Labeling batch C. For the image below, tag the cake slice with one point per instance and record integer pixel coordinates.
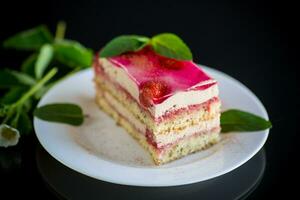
(171, 107)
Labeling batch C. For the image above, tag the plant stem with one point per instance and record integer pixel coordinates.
(28, 94)
(60, 30)
(50, 85)
(36, 87)
(8, 115)
(14, 122)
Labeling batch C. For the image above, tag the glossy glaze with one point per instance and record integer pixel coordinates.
(145, 66)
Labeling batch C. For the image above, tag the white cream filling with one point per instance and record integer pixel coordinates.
(178, 100)
(119, 75)
(184, 99)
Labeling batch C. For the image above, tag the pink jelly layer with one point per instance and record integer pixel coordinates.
(149, 135)
(145, 65)
(169, 115)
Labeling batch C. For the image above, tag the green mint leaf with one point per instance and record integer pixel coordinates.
(22, 77)
(43, 60)
(13, 95)
(123, 44)
(28, 66)
(61, 112)
(10, 78)
(171, 46)
(73, 54)
(237, 120)
(9, 136)
(24, 123)
(31, 39)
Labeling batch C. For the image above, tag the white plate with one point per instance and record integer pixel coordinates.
(102, 150)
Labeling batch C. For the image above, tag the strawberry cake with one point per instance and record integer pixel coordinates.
(171, 107)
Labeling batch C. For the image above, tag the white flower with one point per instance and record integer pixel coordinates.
(8, 136)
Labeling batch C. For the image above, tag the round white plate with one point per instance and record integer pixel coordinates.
(101, 149)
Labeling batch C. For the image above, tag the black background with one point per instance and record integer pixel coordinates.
(252, 41)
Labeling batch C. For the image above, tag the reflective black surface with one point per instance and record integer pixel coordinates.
(253, 41)
(69, 184)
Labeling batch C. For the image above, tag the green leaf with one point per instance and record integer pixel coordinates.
(123, 44)
(28, 66)
(61, 112)
(13, 95)
(22, 77)
(73, 53)
(24, 123)
(43, 60)
(31, 39)
(171, 46)
(9, 78)
(238, 120)
(9, 136)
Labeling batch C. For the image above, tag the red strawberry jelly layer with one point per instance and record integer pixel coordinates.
(146, 66)
(169, 115)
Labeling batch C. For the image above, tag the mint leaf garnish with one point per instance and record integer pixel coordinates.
(123, 44)
(165, 44)
(28, 65)
(61, 112)
(31, 39)
(23, 88)
(43, 60)
(13, 95)
(171, 46)
(238, 120)
(11, 78)
(72, 53)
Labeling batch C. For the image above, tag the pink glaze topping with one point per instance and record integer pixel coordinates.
(159, 77)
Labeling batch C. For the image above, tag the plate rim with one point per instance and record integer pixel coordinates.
(140, 183)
